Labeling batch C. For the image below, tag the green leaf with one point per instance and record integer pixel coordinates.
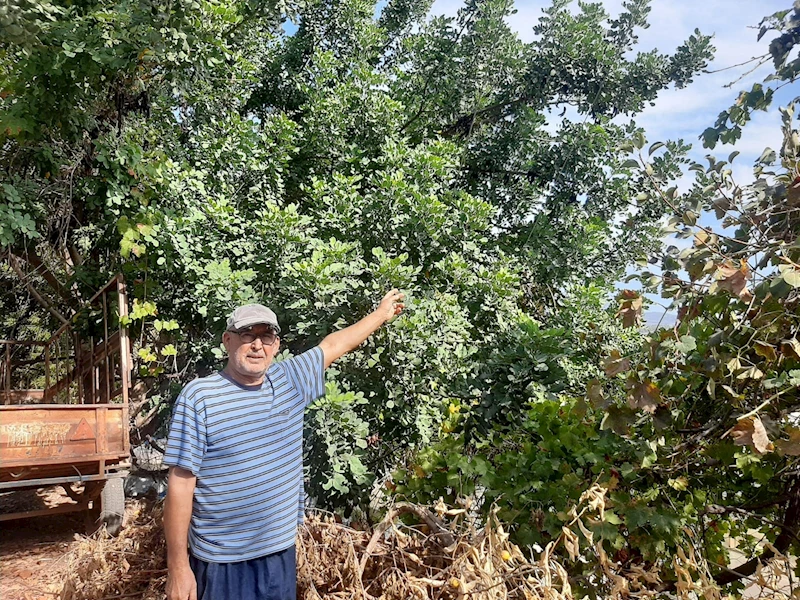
(792, 277)
(686, 345)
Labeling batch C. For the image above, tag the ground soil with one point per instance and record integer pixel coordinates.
(33, 551)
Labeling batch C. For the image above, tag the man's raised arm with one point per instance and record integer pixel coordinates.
(345, 340)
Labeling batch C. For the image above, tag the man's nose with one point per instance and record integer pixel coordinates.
(257, 343)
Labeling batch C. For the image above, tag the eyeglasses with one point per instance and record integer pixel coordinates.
(248, 337)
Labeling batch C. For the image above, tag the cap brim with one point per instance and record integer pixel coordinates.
(247, 323)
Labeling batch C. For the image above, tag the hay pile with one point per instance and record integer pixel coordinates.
(414, 553)
(132, 565)
(441, 558)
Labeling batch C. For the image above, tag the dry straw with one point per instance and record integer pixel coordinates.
(414, 553)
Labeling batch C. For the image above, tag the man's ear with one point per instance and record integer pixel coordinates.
(226, 339)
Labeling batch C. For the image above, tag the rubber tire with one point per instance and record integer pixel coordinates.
(109, 509)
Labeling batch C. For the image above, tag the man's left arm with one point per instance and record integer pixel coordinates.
(343, 341)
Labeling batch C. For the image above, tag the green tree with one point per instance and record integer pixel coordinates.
(694, 433)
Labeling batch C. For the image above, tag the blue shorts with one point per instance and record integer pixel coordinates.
(271, 577)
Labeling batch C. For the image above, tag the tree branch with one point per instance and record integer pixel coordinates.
(12, 261)
(791, 518)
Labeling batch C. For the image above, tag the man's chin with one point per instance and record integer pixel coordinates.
(255, 368)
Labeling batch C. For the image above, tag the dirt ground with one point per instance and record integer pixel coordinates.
(33, 552)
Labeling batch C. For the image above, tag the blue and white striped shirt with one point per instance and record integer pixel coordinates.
(245, 445)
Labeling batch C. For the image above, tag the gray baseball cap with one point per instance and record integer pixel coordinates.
(252, 314)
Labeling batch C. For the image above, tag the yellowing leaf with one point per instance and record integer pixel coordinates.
(790, 447)
(700, 238)
(751, 432)
(679, 483)
(766, 350)
(792, 277)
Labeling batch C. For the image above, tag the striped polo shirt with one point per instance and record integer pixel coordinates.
(245, 445)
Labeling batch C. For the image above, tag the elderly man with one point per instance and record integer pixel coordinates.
(235, 491)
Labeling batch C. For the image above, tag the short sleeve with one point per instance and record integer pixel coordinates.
(186, 442)
(307, 373)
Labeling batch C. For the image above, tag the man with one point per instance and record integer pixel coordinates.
(235, 490)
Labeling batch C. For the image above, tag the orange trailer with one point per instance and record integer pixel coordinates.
(64, 417)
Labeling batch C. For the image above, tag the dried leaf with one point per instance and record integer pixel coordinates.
(752, 373)
(615, 364)
(586, 533)
(644, 395)
(595, 395)
(733, 279)
(630, 308)
(791, 348)
(571, 543)
(751, 432)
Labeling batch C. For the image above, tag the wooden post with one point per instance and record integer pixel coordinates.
(8, 373)
(58, 358)
(78, 367)
(124, 359)
(47, 370)
(106, 357)
(93, 370)
(124, 344)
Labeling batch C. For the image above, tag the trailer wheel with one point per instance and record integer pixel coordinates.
(108, 509)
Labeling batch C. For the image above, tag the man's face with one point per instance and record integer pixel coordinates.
(249, 360)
